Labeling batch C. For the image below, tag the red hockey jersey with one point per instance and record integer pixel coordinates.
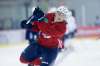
(50, 32)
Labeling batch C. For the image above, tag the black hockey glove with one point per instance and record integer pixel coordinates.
(24, 25)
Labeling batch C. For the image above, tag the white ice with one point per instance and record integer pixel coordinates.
(86, 52)
(9, 56)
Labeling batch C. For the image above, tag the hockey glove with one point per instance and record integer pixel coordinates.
(24, 25)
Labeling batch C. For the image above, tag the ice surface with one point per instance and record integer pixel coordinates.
(9, 56)
(86, 53)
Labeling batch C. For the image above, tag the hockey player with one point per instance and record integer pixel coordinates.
(71, 30)
(51, 29)
(72, 27)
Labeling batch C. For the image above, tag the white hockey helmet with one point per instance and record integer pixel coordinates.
(65, 11)
(62, 9)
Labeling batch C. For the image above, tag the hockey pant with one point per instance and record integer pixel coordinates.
(38, 55)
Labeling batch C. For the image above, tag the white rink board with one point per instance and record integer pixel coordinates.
(12, 36)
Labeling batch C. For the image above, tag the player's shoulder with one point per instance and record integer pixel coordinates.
(50, 14)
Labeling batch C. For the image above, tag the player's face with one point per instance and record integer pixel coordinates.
(59, 17)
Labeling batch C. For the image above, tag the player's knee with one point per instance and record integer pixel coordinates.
(22, 60)
(35, 62)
